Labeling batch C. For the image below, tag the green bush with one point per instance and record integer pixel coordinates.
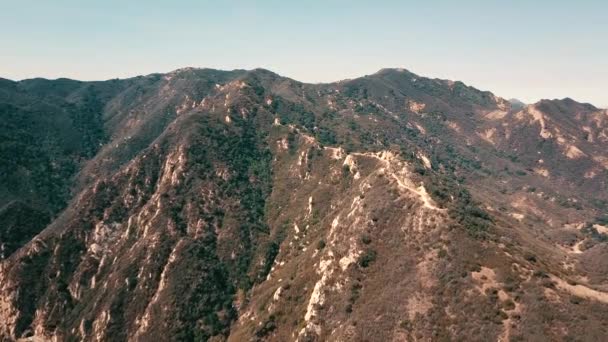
(367, 258)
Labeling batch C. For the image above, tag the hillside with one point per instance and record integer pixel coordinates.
(242, 205)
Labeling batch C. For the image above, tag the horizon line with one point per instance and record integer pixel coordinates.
(401, 69)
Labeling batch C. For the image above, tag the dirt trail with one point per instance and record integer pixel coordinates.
(399, 173)
(580, 290)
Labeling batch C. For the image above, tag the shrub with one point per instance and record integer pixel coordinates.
(345, 170)
(366, 239)
(268, 327)
(530, 257)
(321, 244)
(368, 257)
(508, 304)
(575, 300)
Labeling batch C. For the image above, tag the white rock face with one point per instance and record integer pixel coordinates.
(416, 107)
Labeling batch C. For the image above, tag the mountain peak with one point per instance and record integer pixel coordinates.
(565, 104)
(393, 70)
(516, 104)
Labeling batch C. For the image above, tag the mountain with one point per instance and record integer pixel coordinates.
(516, 104)
(242, 205)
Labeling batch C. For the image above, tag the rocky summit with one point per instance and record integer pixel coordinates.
(207, 205)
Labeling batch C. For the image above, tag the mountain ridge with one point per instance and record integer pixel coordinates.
(242, 205)
(259, 69)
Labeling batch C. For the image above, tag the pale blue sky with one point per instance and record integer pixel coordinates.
(524, 49)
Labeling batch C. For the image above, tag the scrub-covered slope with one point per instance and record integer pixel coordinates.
(242, 205)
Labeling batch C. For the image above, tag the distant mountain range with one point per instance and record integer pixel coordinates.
(245, 206)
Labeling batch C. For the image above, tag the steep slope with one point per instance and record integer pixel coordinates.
(246, 206)
(48, 129)
(147, 203)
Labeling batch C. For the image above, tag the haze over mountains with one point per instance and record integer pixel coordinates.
(241, 205)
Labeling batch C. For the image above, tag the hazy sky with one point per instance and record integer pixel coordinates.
(524, 49)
